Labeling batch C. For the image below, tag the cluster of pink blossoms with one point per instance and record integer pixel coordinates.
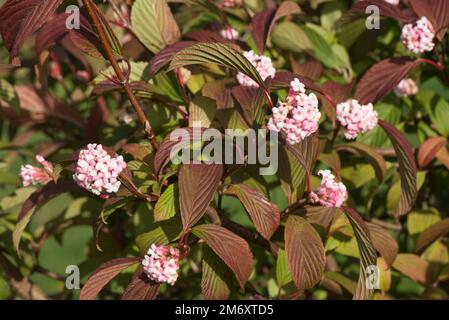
(229, 33)
(262, 64)
(298, 117)
(97, 171)
(330, 194)
(405, 88)
(231, 3)
(356, 118)
(161, 264)
(32, 175)
(418, 38)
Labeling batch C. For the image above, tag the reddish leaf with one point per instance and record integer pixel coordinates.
(437, 11)
(21, 18)
(311, 69)
(232, 249)
(55, 29)
(384, 243)
(358, 10)
(218, 91)
(260, 25)
(264, 214)
(382, 78)
(321, 217)
(197, 185)
(179, 138)
(443, 156)
(251, 100)
(305, 252)
(103, 275)
(141, 288)
(284, 78)
(431, 234)
(163, 57)
(407, 168)
(413, 267)
(368, 256)
(429, 149)
(215, 282)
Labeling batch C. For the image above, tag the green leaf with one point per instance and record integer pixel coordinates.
(161, 233)
(215, 282)
(232, 249)
(418, 221)
(288, 35)
(322, 50)
(202, 111)
(218, 53)
(8, 95)
(168, 204)
(154, 25)
(370, 154)
(305, 252)
(283, 275)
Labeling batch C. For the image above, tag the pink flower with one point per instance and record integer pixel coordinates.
(263, 65)
(356, 118)
(229, 33)
(418, 38)
(231, 3)
(161, 264)
(31, 175)
(97, 171)
(298, 117)
(330, 194)
(405, 88)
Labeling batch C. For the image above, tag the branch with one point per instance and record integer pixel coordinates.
(91, 9)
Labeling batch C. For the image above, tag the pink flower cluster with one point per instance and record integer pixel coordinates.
(97, 171)
(298, 117)
(356, 118)
(330, 194)
(229, 33)
(161, 264)
(405, 88)
(31, 175)
(262, 64)
(418, 38)
(231, 3)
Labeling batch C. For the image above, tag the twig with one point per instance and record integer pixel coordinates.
(90, 6)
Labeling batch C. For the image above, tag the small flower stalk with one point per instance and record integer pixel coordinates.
(406, 88)
(356, 118)
(262, 64)
(31, 175)
(298, 117)
(161, 264)
(331, 194)
(97, 171)
(418, 38)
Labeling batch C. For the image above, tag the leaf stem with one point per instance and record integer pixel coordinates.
(90, 6)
